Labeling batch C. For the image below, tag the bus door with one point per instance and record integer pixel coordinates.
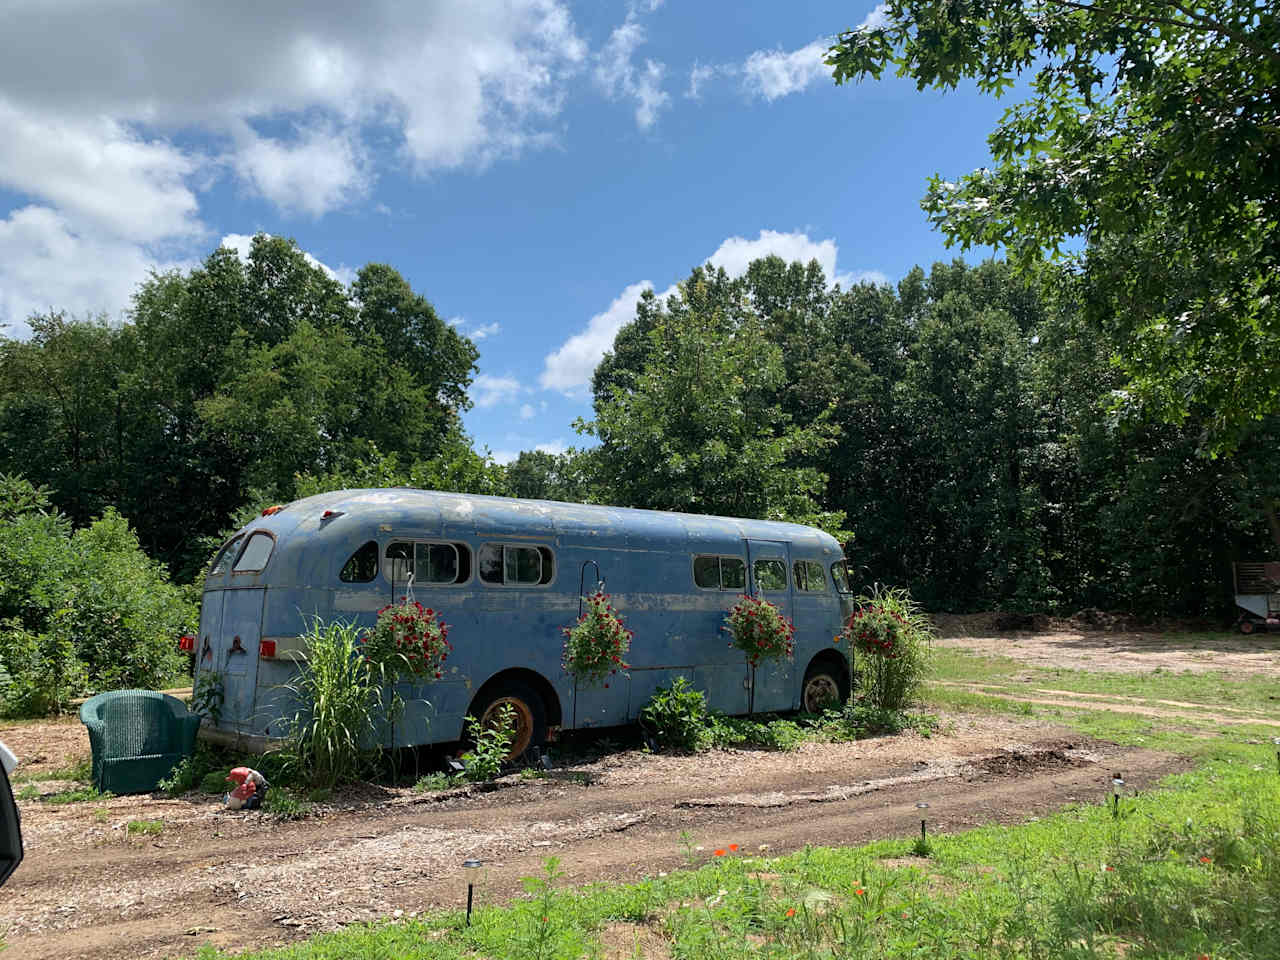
(235, 653)
(769, 569)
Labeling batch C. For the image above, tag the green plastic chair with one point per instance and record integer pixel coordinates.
(137, 737)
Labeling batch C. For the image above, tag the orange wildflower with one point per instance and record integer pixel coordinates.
(791, 912)
(719, 853)
(733, 846)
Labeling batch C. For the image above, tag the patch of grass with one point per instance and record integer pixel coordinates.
(144, 828)
(282, 804)
(1187, 870)
(29, 792)
(432, 782)
(81, 795)
(80, 769)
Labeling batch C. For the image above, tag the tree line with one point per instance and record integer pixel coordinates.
(961, 432)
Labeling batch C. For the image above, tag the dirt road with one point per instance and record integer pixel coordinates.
(89, 889)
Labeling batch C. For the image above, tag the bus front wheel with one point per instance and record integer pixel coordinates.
(529, 716)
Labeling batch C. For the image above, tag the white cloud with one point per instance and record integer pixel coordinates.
(488, 391)
(877, 19)
(47, 265)
(527, 412)
(117, 116)
(698, 76)
(504, 457)
(736, 253)
(569, 368)
(619, 77)
(242, 243)
(774, 73)
(99, 173)
(321, 170)
(778, 73)
(555, 447)
(488, 330)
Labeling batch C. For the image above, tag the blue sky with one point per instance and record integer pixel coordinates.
(528, 165)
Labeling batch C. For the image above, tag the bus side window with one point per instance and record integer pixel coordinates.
(809, 576)
(434, 563)
(361, 566)
(771, 575)
(513, 565)
(720, 573)
(733, 574)
(706, 572)
(400, 562)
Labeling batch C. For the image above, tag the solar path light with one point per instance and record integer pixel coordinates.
(470, 867)
(1117, 782)
(923, 830)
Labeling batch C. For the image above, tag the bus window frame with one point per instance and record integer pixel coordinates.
(536, 547)
(387, 560)
(248, 538)
(720, 559)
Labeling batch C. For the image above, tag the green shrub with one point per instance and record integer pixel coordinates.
(768, 733)
(491, 745)
(677, 717)
(891, 638)
(81, 611)
(332, 737)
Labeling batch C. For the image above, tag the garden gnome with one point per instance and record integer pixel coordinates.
(250, 789)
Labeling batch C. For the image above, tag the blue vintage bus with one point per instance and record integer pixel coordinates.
(507, 575)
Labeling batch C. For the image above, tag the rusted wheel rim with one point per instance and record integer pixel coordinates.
(819, 692)
(524, 723)
(1246, 626)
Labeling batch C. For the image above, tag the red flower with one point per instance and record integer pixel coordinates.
(791, 912)
(719, 853)
(733, 846)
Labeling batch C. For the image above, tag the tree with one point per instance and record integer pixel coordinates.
(700, 429)
(1147, 158)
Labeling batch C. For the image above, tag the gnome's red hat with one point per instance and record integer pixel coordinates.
(239, 774)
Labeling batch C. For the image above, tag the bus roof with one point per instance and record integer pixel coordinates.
(399, 509)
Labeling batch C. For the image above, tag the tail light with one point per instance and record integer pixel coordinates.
(187, 643)
(267, 649)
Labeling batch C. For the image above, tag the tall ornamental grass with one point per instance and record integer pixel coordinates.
(891, 641)
(333, 735)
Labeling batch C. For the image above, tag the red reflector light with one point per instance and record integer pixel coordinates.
(267, 649)
(271, 511)
(187, 644)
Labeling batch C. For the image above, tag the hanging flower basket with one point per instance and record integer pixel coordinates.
(408, 642)
(760, 630)
(595, 648)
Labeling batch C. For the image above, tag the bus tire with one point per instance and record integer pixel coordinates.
(825, 685)
(1246, 627)
(531, 715)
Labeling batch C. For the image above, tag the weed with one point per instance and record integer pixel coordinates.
(432, 782)
(144, 828)
(491, 745)
(101, 814)
(282, 804)
(676, 716)
(29, 792)
(320, 795)
(79, 795)
(529, 773)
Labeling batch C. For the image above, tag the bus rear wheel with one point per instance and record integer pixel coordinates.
(1246, 627)
(529, 715)
(822, 688)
